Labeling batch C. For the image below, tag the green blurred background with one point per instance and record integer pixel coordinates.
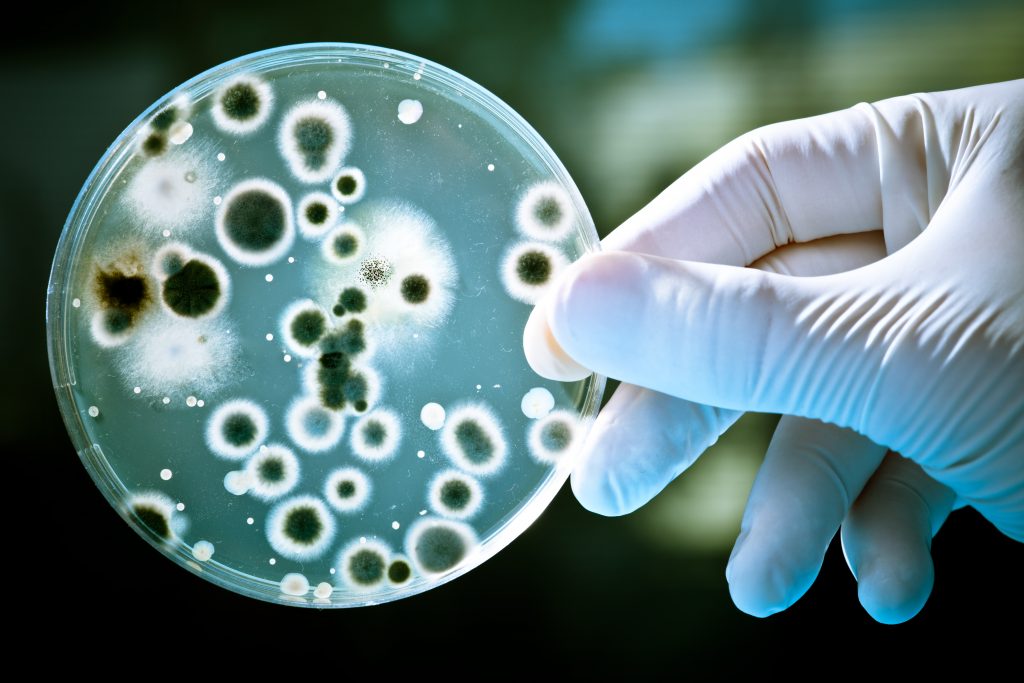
(629, 94)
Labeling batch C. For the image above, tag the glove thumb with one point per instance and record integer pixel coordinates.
(731, 337)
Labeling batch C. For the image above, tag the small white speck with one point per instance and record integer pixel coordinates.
(202, 550)
(497, 386)
(191, 401)
(190, 177)
(76, 302)
(94, 411)
(490, 167)
(221, 156)
(287, 358)
(321, 95)
(269, 277)
(415, 335)
(137, 390)
(333, 570)
(420, 454)
(263, 448)
(410, 111)
(460, 125)
(416, 77)
(179, 507)
(200, 403)
(422, 512)
(362, 539)
(291, 259)
(270, 337)
(478, 387)
(432, 415)
(166, 233)
(217, 200)
(166, 400)
(273, 561)
(250, 521)
(395, 525)
(386, 66)
(166, 474)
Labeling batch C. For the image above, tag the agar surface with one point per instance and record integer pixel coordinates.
(312, 358)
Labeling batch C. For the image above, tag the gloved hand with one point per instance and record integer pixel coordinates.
(908, 216)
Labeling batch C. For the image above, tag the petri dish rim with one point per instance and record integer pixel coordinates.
(76, 230)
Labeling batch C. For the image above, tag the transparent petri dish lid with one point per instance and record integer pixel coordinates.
(285, 320)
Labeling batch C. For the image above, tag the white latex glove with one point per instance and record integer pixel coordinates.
(911, 337)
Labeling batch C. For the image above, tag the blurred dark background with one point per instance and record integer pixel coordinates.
(629, 94)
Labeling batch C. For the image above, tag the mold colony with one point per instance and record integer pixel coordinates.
(310, 458)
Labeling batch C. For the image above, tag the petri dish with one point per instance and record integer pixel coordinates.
(285, 316)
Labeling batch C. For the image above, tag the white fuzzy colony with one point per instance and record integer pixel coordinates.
(242, 125)
(285, 543)
(175, 356)
(348, 185)
(347, 489)
(333, 121)
(523, 289)
(473, 439)
(288, 318)
(447, 490)
(236, 428)
(349, 234)
(219, 271)
(553, 437)
(359, 561)
(312, 427)
(436, 554)
(155, 502)
(232, 203)
(374, 450)
(173, 192)
(545, 212)
(307, 227)
(281, 462)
